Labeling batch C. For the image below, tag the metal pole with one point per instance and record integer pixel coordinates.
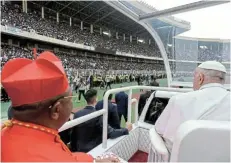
(25, 6)
(43, 12)
(105, 119)
(100, 31)
(57, 18)
(135, 101)
(157, 88)
(136, 113)
(91, 30)
(109, 33)
(81, 25)
(129, 105)
(80, 120)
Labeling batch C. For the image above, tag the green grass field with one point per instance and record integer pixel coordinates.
(82, 103)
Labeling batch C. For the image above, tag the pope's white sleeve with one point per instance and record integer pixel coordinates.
(162, 121)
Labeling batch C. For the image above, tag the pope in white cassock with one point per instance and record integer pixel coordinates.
(209, 101)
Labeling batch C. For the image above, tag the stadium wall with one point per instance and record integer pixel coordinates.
(34, 36)
(105, 51)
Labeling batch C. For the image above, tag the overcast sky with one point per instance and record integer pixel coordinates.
(211, 22)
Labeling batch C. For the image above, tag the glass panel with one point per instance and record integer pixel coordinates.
(165, 4)
(208, 39)
(133, 7)
(191, 37)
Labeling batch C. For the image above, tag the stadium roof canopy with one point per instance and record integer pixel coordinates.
(101, 14)
(207, 23)
(211, 23)
(97, 13)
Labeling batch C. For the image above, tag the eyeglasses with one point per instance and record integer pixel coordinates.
(72, 97)
(65, 97)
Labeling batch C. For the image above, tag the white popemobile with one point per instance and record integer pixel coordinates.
(195, 140)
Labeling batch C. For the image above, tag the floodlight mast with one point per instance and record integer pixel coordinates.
(182, 8)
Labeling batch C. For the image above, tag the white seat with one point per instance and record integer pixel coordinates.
(158, 151)
(195, 141)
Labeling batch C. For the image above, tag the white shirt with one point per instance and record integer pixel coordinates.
(75, 79)
(107, 79)
(82, 86)
(211, 102)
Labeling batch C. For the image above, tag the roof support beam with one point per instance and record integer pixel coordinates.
(66, 6)
(117, 18)
(111, 26)
(141, 30)
(131, 25)
(104, 16)
(120, 23)
(95, 12)
(181, 9)
(83, 8)
(53, 10)
(47, 3)
(78, 11)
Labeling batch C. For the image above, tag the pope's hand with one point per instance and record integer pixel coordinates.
(129, 126)
(109, 159)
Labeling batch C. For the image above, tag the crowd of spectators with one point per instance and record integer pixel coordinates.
(8, 53)
(206, 54)
(32, 21)
(79, 61)
(12, 15)
(200, 54)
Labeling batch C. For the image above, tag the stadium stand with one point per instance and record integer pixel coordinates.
(79, 61)
(196, 50)
(199, 55)
(12, 15)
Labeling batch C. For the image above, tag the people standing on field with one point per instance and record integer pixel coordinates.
(121, 100)
(82, 88)
(154, 82)
(108, 82)
(75, 83)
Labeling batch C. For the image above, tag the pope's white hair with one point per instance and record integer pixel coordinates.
(213, 74)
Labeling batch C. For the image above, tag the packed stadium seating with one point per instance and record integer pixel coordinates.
(79, 61)
(12, 15)
(199, 55)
